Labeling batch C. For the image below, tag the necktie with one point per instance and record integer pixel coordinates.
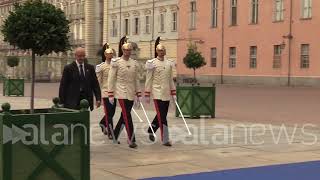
(82, 79)
(81, 72)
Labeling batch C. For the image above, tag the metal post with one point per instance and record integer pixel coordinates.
(290, 44)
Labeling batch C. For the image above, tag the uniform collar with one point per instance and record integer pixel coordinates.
(124, 59)
(108, 62)
(161, 60)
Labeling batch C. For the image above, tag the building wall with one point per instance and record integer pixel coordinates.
(130, 9)
(50, 67)
(75, 13)
(5, 7)
(264, 35)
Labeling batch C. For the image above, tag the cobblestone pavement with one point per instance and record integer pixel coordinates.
(215, 144)
(256, 104)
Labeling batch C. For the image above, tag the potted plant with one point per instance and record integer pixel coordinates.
(12, 62)
(51, 143)
(193, 59)
(195, 99)
(12, 85)
(39, 27)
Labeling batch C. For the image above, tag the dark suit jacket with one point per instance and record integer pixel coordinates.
(69, 91)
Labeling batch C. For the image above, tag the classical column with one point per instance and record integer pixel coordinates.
(80, 29)
(105, 22)
(90, 28)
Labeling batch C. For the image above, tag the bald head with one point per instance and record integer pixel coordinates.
(80, 55)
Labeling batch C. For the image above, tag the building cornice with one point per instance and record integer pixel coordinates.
(162, 9)
(148, 5)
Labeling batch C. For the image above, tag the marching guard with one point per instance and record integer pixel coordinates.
(160, 86)
(123, 84)
(102, 71)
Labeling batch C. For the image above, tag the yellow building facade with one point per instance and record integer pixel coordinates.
(142, 22)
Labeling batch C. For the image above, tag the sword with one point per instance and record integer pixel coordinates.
(113, 136)
(145, 113)
(137, 115)
(182, 116)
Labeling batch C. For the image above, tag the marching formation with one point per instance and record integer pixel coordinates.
(115, 81)
(117, 77)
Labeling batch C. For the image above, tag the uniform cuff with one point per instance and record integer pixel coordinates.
(138, 94)
(110, 94)
(173, 92)
(147, 92)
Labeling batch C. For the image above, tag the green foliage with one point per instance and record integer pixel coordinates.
(12, 61)
(193, 59)
(38, 26)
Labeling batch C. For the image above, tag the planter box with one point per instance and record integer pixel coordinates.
(51, 144)
(196, 100)
(13, 87)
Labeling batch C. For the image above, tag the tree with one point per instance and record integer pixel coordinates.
(37, 26)
(193, 59)
(12, 61)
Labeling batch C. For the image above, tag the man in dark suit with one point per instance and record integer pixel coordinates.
(79, 81)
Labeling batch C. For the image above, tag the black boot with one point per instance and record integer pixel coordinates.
(151, 137)
(133, 145)
(110, 132)
(167, 144)
(103, 128)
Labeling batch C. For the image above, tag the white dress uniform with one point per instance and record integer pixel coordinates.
(160, 86)
(102, 72)
(159, 79)
(106, 123)
(123, 84)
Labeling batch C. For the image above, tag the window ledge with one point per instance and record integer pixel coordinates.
(280, 21)
(305, 19)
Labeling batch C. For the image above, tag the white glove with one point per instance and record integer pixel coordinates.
(147, 99)
(111, 100)
(137, 102)
(174, 97)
